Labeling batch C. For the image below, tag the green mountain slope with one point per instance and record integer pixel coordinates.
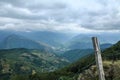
(83, 67)
(86, 68)
(24, 61)
(74, 55)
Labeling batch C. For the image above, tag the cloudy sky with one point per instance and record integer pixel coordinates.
(60, 15)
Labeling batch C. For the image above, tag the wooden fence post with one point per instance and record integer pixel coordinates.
(98, 58)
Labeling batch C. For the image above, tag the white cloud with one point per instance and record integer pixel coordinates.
(60, 15)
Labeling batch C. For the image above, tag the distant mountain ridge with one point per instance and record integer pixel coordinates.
(83, 41)
(63, 40)
(54, 39)
(17, 41)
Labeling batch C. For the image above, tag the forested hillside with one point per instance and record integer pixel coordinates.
(27, 61)
(83, 69)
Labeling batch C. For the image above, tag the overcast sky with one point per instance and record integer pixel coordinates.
(60, 15)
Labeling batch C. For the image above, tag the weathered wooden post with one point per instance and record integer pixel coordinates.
(98, 58)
